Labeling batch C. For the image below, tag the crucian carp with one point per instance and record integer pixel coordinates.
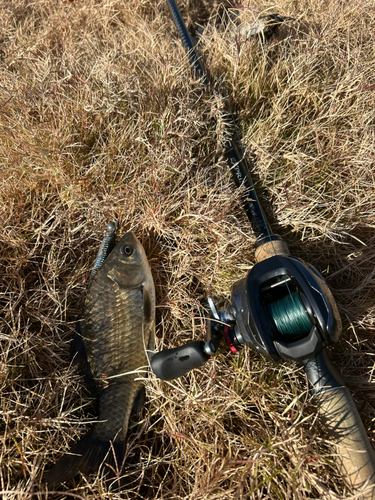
(111, 348)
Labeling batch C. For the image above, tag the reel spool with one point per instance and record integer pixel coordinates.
(289, 315)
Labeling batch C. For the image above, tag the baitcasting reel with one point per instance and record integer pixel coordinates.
(283, 309)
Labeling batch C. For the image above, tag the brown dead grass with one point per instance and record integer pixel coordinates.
(130, 134)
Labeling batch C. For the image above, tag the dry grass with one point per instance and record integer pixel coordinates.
(107, 89)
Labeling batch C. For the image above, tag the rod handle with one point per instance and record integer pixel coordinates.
(173, 363)
(355, 456)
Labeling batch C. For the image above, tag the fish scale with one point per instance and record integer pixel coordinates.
(107, 360)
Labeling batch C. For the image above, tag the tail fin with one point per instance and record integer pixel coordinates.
(87, 456)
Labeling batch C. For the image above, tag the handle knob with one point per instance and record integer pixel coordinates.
(173, 363)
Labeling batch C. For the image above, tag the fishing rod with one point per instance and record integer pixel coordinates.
(235, 156)
(284, 310)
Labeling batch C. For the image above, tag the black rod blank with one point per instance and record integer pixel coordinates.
(187, 40)
(235, 156)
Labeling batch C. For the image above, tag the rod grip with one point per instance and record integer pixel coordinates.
(355, 456)
(173, 363)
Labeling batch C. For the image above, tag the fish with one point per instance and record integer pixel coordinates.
(115, 338)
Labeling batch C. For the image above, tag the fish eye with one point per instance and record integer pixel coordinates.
(127, 250)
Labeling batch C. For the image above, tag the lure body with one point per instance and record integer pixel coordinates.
(118, 329)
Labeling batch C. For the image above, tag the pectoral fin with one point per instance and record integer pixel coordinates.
(78, 356)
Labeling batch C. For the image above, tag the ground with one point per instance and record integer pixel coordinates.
(101, 118)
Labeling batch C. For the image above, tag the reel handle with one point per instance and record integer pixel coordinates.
(355, 455)
(173, 363)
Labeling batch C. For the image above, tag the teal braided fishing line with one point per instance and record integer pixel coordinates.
(289, 315)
